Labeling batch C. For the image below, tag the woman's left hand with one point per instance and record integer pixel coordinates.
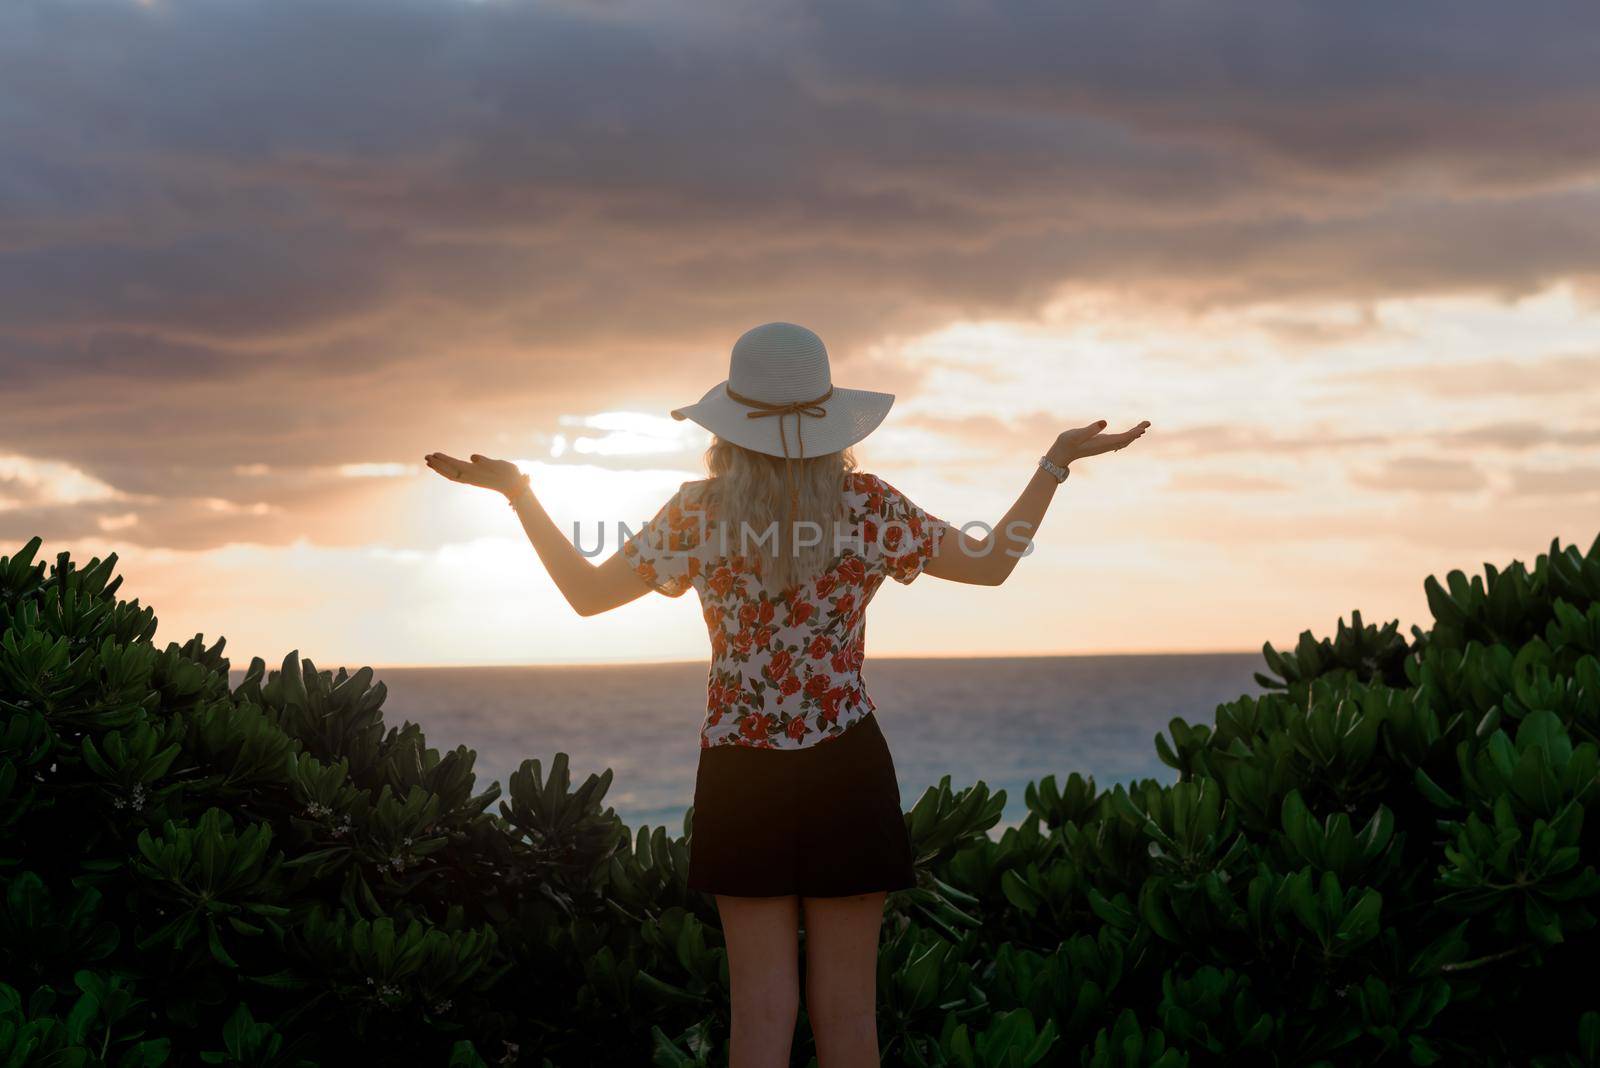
(1076, 444)
(502, 476)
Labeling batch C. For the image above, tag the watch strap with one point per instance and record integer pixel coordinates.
(1055, 470)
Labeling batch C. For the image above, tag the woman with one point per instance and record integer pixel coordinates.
(796, 804)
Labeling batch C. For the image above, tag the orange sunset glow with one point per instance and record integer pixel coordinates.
(1354, 290)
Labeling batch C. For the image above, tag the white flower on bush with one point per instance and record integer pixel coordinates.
(135, 801)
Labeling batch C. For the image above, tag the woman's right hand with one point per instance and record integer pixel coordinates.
(1091, 441)
(502, 476)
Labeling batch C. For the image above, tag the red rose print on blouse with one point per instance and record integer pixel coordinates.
(786, 668)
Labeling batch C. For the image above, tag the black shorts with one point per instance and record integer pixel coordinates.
(824, 821)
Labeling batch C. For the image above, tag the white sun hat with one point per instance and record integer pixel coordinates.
(779, 397)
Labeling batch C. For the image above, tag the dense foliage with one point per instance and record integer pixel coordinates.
(1384, 858)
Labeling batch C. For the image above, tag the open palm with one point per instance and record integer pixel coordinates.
(499, 475)
(1092, 440)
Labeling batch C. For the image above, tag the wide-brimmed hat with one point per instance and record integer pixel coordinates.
(779, 397)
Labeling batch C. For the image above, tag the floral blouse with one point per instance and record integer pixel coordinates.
(785, 668)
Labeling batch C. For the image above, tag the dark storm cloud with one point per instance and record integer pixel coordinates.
(247, 168)
(319, 232)
(1339, 89)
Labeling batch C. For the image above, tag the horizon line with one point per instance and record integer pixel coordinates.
(704, 662)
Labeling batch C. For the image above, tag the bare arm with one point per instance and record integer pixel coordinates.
(988, 561)
(588, 587)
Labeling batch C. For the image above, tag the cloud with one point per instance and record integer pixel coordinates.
(1517, 436)
(1224, 482)
(1574, 481)
(25, 481)
(1542, 376)
(347, 158)
(1423, 474)
(1227, 438)
(268, 252)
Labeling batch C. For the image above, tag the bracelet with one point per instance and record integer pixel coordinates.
(1055, 470)
(527, 488)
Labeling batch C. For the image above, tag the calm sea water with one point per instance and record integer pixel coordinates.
(1006, 721)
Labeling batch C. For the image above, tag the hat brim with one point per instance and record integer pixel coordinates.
(852, 414)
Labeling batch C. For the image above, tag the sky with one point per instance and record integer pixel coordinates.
(258, 257)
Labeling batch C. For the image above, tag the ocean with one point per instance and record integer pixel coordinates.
(1005, 721)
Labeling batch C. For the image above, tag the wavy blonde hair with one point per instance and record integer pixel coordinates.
(748, 491)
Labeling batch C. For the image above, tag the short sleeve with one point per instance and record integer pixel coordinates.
(908, 537)
(665, 552)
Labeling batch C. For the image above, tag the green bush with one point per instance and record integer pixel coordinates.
(1384, 858)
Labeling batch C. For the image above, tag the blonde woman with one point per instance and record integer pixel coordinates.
(797, 815)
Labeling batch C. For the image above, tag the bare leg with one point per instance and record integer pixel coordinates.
(841, 977)
(764, 971)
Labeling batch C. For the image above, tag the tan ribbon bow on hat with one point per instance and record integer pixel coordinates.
(799, 409)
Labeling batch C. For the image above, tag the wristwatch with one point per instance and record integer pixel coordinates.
(1056, 471)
